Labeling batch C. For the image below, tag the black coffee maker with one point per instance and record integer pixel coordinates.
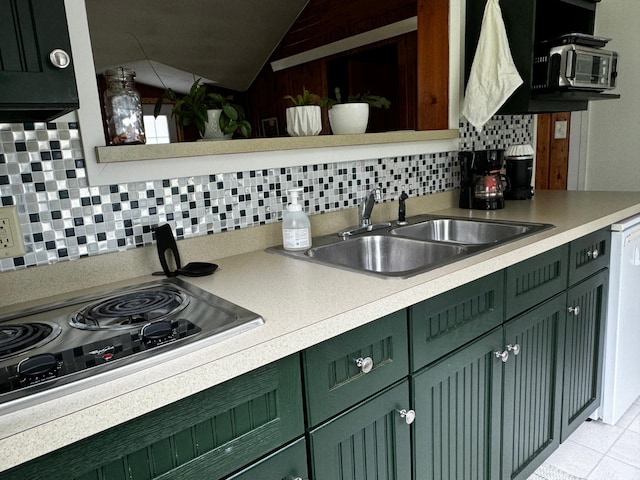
(481, 181)
(519, 169)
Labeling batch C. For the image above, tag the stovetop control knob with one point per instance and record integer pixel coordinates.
(38, 365)
(156, 330)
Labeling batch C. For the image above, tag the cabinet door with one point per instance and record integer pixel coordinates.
(367, 442)
(288, 463)
(583, 349)
(458, 405)
(33, 89)
(589, 254)
(444, 323)
(532, 388)
(347, 369)
(535, 280)
(207, 435)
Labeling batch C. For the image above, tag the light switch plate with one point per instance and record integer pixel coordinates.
(560, 130)
(10, 234)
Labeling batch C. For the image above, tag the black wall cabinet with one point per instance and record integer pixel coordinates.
(529, 22)
(32, 88)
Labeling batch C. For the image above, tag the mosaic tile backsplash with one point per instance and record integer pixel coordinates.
(63, 218)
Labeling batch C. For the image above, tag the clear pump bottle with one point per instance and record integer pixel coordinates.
(296, 228)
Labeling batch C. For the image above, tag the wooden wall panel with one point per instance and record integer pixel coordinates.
(433, 60)
(552, 154)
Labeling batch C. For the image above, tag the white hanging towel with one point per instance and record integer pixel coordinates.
(493, 76)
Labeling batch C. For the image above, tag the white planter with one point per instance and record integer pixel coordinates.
(349, 118)
(212, 127)
(304, 121)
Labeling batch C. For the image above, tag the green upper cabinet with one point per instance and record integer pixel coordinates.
(342, 371)
(458, 414)
(36, 67)
(369, 441)
(532, 388)
(441, 324)
(583, 350)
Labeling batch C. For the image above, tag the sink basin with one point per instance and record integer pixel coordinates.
(388, 255)
(469, 232)
(425, 243)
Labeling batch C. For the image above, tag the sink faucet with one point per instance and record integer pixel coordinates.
(366, 206)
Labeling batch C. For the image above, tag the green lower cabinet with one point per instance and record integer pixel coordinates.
(288, 463)
(343, 371)
(458, 411)
(206, 436)
(444, 323)
(368, 442)
(532, 388)
(583, 350)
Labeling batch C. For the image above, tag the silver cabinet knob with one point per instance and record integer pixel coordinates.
(575, 310)
(504, 356)
(59, 58)
(296, 478)
(365, 364)
(408, 415)
(593, 254)
(515, 348)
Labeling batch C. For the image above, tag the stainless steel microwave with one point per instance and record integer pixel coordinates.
(575, 67)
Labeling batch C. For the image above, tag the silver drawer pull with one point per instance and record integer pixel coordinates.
(59, 58)
(504, 356)
(365, 364)
(408, 415)
(593, 254)
(515, 348)
(575, 310)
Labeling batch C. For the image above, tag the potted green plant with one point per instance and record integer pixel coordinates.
(305, 117)
(214, 115)
(352, 117)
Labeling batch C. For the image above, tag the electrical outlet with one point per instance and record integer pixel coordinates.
(10, 234)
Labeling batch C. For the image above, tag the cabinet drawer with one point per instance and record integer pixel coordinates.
(442, 324)
(208, 435)
(534, 280)
(371, 440)
(332, 377)
(588, 255)
(289, 462)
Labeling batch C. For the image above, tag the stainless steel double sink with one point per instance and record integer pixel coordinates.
(426, 242)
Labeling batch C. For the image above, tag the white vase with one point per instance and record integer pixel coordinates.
(212, 129)
(349, 118)
(304, 121)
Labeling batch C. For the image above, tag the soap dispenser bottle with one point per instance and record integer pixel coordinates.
(296, 228)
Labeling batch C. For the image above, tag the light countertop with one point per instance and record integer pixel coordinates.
(302, 303)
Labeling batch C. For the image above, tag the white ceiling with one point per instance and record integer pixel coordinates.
(226, 42)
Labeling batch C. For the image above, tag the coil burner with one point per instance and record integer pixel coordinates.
(131, 310)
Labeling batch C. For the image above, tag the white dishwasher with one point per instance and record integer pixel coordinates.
(621, 385)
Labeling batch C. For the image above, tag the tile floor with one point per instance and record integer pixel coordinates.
(598, 451)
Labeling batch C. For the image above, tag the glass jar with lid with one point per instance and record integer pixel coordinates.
(123, 108)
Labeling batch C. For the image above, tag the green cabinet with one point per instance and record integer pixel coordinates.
(442, 324)
(532, 393)
(583, 350)
(371, 440)
(33, 88)
(208, 435)
(458, 413)
(532, 281)
(288, 463)
(340, 372)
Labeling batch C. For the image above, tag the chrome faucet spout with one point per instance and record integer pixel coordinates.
(366, 206)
